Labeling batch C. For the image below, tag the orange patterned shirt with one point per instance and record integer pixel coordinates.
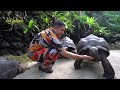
(45, 39)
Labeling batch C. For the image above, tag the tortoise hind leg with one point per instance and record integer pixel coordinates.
(108, 69)
(77, 64)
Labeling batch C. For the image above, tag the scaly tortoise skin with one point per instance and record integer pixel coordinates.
(98, 48)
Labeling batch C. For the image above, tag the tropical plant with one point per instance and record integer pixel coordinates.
(31, 26)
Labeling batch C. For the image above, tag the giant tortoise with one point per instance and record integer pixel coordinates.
(98, 48)
(9, 69)
(68, 43)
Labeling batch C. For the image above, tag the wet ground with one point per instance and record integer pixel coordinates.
(64, 69)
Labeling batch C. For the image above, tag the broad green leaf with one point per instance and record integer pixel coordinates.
(30, 25)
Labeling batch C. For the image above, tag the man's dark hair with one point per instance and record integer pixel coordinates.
(58, 23)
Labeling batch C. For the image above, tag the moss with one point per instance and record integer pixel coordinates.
(22, 59)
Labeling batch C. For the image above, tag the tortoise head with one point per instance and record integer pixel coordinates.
(93, 51)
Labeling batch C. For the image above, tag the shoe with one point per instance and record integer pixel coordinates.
(47, 70)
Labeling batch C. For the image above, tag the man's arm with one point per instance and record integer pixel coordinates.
(74, 56)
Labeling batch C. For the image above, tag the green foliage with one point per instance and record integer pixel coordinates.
(66, 17)
(25, 30)
(90, 21)
(22, 59)
(114, 24)
(84, 19)
(101, 22)
(46, 20)
(101, 31)
(109, 19)
(31, 26)
(86, 24)
(93, 25)
(13, 21)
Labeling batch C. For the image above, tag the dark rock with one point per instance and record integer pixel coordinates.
(16, 45)
(18, 34)
(24, 49)
(111, 39)
(9, 39)
(27, 40)
(4, 52)
(117, 43)
(19, 53)
(5, 26)
(1, 36)
(4, 44)
(13, 38)
(16, 39)
(16, 53)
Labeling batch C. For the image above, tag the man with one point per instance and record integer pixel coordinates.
(45, 47)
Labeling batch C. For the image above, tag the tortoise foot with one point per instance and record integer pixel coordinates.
(108, 75)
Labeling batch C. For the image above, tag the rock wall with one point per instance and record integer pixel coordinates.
(13, 40)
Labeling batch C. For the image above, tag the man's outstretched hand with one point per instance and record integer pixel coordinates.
(86, 57)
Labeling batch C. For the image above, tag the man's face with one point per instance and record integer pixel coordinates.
(59, 31)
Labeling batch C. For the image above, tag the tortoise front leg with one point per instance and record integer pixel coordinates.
(77, 64)
(109, 72)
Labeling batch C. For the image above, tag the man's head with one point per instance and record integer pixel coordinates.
(59, 27)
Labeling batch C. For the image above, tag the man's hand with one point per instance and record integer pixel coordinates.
(74, 56)
(86, 57)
